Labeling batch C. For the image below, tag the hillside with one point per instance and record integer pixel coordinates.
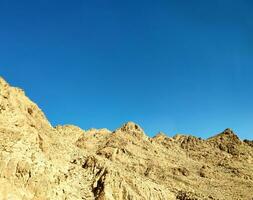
(41, 162)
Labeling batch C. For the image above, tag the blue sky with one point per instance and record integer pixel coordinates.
(175, 66)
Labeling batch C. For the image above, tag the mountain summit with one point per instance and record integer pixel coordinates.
(41, 162)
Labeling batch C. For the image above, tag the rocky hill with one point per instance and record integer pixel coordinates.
(41, 162)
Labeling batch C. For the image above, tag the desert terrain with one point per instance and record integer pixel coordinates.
(42, 162)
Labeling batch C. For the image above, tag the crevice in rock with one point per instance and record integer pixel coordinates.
(99, 185)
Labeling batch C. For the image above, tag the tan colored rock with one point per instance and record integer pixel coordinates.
(41, 162)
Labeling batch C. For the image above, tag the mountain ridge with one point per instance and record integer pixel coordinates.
(41, 162)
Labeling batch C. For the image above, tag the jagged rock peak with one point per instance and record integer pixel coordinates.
(6, 89)
(180, 137)
(132, 128)
(160, 136)
(227, 135)
(17, 110)
(228, 131)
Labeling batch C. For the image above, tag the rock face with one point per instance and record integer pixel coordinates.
(41, 162)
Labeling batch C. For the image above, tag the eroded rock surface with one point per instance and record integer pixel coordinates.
(41, 162)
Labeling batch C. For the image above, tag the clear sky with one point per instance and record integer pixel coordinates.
(175, 66)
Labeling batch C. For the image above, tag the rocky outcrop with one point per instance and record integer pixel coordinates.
(227, 141)
(41, 162)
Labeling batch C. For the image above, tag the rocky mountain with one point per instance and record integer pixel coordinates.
(41, 162)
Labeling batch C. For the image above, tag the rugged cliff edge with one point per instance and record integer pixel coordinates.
(41, 162)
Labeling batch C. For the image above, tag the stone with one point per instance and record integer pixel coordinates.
(41, 162)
